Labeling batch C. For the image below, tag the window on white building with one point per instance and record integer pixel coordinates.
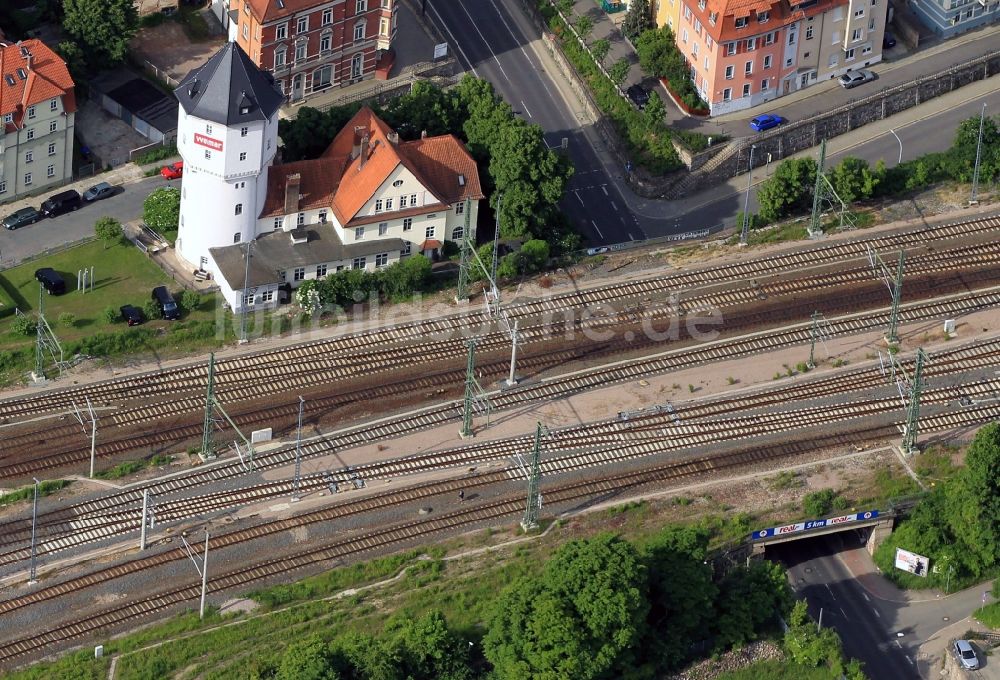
(381, 260)
(267, 296)
(383, 228)
(407, 223)
(3, 187)
(407, 248)
(53, 126)
(849, 54)
(248, 299)
(457, 233)
(809, 32)
(54, 104)
(388, 204)
(322, 216)
(236, 237)
(239, 209)
(858, 13)
(359, 263)
(378, 205)
(8, 118)
(302, 24)
(50, 171)
(359, 233)
(301, 219)
(243, 155)
(31, 133)
(867, 49)
(31, 112)
(299, 273)
(857, 34)
(29, 156)
(244, 131)
(279, 222)
(27, 178)
(320, 271)
(413, 200)
(208, 155)
(429, 231)
(871, 24)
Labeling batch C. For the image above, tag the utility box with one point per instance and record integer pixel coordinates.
(98, 651)
(949, 326)
(260, 436)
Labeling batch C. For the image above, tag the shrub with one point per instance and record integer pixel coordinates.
(818, 503)
(151, 310)
(67, 319)
(189, 301)
(23, 325)
(110, 314)
(157, 154)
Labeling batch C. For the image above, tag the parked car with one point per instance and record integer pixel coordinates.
(63, 202)
(165, 302)
(21, 218)
(638, 95)
(51, 281)
(98, 192)
(855, 78)
(966, 655)
(598, 250)
(888, 40)
(766, 121)
(172, 171)
(132, 315)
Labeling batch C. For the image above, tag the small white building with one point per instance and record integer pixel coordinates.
(368, 201)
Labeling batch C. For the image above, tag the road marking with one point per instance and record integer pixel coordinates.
(630, 237)
(832, 597)
(485, 42)
(598, 230)
(454, 42)
(844, 613)
(519, 41)
(577, 194)
(525, 107)
(604, 188)
(876, 612)
(614, 206)
(865, 595)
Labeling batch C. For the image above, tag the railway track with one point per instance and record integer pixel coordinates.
(232, 371)
(400, 534)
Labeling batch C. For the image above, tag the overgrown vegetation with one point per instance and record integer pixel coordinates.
(130, 467)
(659, 56)
(28, 492)
(956, 524)
(159, 153)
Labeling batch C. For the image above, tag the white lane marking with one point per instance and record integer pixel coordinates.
(485, 42)
(525, 107)
(865, 595)
(577, 194)
(876, 612)
(454, 42)
(604, 188)
(829, 591)
(844, 613)
(521, 42)
(630, 237)
(614, 206)
(598, 229)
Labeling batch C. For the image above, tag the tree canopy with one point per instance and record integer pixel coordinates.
(109, 230)
(101, 29)
(161, 210)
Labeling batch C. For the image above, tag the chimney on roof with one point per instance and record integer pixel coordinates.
(364, 151)
(393, 138)
(423, 134)
(28, 59)
(356, 149)
(292, 184)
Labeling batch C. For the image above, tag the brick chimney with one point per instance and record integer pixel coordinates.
(358, 134)
(423, 134)
(393, 138)
(292, 184)
(364, 151)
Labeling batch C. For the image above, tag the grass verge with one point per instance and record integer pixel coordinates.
(26, 492)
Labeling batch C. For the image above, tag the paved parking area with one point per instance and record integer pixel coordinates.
(108, 137)
(170, 52)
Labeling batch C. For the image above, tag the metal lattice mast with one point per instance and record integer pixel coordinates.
(496, 252)
(470, 389)
(207, 444)
(468, 238)
(913, 410)
(530, 520)
(815, 229)
(897, 293)
(813, 334)
(39, 343)
(46, 342)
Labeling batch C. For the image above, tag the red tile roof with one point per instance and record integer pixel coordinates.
(269, 10)
(345, 179)
(47, 77)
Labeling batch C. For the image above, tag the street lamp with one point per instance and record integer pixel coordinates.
(34, 521)
(746, 203)
(900, 146)
(243, 301)
(974, 200)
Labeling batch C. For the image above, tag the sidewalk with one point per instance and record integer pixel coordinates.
(127, 173)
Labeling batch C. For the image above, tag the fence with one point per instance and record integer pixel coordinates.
(142, 149)
(159, 73)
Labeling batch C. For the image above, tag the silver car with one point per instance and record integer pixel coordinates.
(966, 655)
(855, 78)
(98, 191)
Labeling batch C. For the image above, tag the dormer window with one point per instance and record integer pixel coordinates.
(762, 17)
(713, 17)
(741, 22)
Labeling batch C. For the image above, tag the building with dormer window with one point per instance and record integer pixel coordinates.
(37, 110)
(368, 201)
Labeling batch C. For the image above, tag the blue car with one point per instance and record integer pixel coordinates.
(765, 121)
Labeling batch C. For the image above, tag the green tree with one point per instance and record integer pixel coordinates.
(533, 256)
(429, 649)
(973, 503)
(818, 503)
(619, 71)
(150, 310)
(306, 660)
(507, 266)
(23, 325)
(371, 658)
(788, 190)
(405, 277)
(565, 6)
(311, 131)
(748, 600)
(189, 300)
(580, 619)
(853, 180)
(425, 108)
(600, 49)
(584, 26)
(808, 646)
(657, 51)
(101, 29)
(964, 150)
(161, 210)
(654, 112)
(638, 18)
(73, 56)
(109, 230)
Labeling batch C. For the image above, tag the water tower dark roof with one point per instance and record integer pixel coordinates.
(229, 89)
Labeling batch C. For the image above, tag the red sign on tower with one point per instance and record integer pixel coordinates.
(215, 144)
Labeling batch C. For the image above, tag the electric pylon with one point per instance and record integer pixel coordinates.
(465, 261)
(207, 443)
(913, 410)
(815, 229)
(813, 334)
(530, 520)
(897, 291)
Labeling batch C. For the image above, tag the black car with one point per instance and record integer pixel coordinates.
(132, 315)
(638, 95)
(888, 40)
(21, 218)
(63, 202)
(166, 303)
(51, 280)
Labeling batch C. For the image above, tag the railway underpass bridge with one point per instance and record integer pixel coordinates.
(877, 523)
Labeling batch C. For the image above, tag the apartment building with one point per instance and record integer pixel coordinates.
(312, 45)
(743, 53)
(951, 17)
(38, 108)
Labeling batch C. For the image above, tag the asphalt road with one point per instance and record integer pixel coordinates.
(490, 42)
(126, 205)
(882, 629)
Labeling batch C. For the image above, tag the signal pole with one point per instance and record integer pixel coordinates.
(298, 454)
(93, 431)
(913, 410)
(895, 287)
(202, 570)
(974, 199)
(530, 520)
(470, 387)
(34, 522)
(512, 379)
(813, 334)
(207, 444)
(746, 203)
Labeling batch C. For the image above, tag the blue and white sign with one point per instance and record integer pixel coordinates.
(812, 524)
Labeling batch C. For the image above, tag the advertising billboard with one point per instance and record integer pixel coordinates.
(912, 562)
